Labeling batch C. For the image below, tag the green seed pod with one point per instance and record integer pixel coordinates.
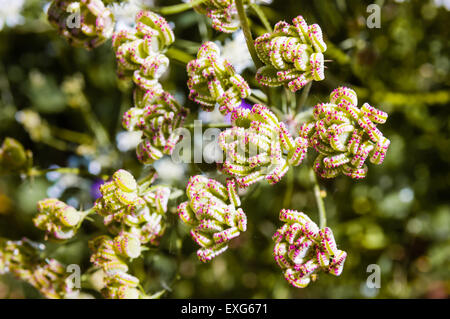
(14, 157)
(212, 214)
(302, 250)
(292, 54)
(213, 79)
(129, 208)
(59, 220)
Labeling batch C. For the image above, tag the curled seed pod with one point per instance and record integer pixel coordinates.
(133, 209)
(128, 245)
(105, 255)
(84, 23)
(59, 220)
(139, 52)
(110, 255)
(258, 147)
(22, 259)
(213, 79)
(14, 157)
(345, 135)
(212, 215)
(292, 54)
(122, 286)
(158, 117)
(302, 250)
(223, 14)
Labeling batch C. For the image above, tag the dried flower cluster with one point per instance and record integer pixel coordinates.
(258, 146)
(156, 113)
(84, 23)
(213, 79)
(131, 208)
(21, 258)
(292, 54)
(212, 212)
(345, 135)
(302, 250)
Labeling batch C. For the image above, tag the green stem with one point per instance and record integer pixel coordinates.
(94, 124)
(260, 13)
(304, 96)
(71, 136)
(319, 200)
(247, 33)
(289, 188)
(179, 55)
(178, 8)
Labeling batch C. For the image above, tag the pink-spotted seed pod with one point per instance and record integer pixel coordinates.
(302, 250)
(111, 255)
(84, 23)
(345, 135)
(158, 117)
(213, 214)
(292, 54)
(223, 14)
(213, 79)
(59, 220)
(258, 146)
(135, 209)
(139, 53)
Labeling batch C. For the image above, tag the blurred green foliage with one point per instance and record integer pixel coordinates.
(397, 217)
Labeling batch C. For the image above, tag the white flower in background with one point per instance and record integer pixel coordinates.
(10, 13)
(127, 141)
(125, 13)
(168, 170)
(443, 3)
(236, 52)
(211, 117)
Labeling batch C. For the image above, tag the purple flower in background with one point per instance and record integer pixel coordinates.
(244, 105)
(95, 188)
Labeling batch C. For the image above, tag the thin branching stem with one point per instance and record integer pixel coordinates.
(178, 8)
(304, 96)
(247, 33)
(319, 200)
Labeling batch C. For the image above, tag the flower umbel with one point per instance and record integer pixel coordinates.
(345, 135)
(213, 79)
(92, 25)
(302, 249)
(258, 146)
(292, 54)
(212, 213)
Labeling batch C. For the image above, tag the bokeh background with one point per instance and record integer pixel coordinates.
(65, 105)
